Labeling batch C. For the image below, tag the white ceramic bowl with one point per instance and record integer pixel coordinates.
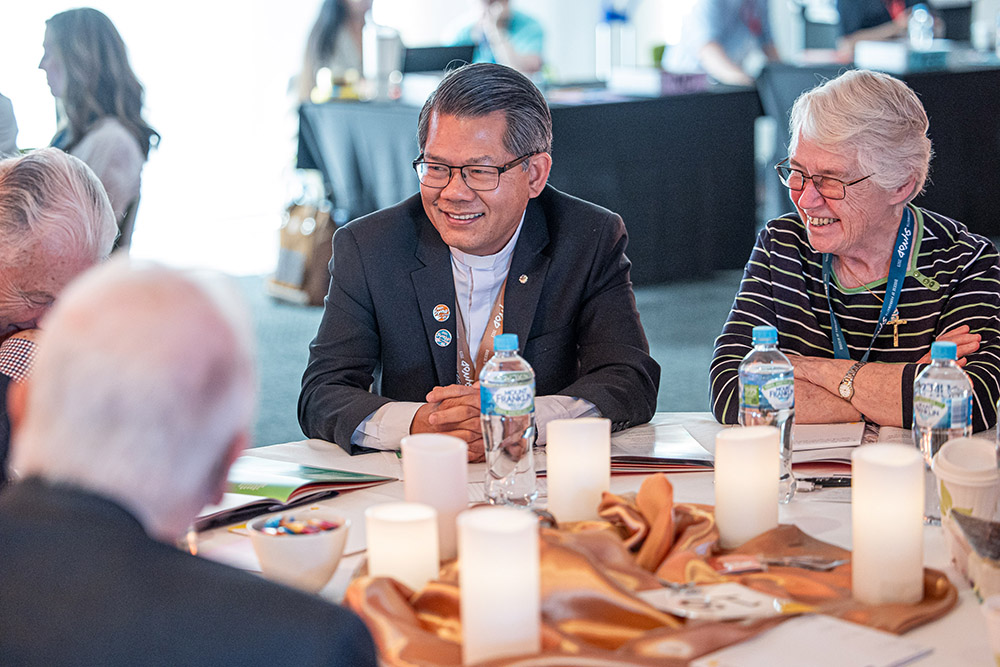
(305, 562)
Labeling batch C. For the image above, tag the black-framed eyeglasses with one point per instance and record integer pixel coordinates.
(830, 188)
(480, 177)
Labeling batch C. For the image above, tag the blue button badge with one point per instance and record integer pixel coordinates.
(442, 337)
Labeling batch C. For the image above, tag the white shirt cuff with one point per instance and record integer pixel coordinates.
(384, 428)
(548, 408)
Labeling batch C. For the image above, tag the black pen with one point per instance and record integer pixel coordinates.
(825, 482)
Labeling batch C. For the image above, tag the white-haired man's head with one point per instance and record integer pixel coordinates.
(55, 222)
(143, 391)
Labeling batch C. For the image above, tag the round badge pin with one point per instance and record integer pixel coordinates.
(442, 337)
(441, 312)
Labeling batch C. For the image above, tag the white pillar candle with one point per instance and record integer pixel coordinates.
(499, 581)
(578, 466)
(746, 483)
(435, 472)
(402, 542)
(887, 505)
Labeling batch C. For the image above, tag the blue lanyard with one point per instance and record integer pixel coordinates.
(893, 288)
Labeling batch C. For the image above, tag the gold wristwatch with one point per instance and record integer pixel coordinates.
(847, 384)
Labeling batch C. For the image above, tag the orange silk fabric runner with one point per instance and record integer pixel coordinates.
(590, 571)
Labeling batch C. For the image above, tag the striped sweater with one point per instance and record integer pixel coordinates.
(953, 279)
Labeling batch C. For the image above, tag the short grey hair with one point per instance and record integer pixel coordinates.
(143, 379)
(480, 89)
(52, 205)
(875, 118)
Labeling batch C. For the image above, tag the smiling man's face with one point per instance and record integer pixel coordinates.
(476, 222)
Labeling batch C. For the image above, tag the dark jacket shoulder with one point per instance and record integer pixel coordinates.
(85, 584)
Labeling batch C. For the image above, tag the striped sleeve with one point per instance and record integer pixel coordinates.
(971, 269)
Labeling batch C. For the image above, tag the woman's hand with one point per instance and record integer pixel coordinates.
(967, 343)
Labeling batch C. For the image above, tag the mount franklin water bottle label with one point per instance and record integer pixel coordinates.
(768, 392)
(938, 411)
(508, 400)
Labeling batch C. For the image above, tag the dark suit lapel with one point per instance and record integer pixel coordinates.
(526, 277)
(435, 286)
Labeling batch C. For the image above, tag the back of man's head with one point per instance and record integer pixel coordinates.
(143, 391)
(480, 89)
(55, 221)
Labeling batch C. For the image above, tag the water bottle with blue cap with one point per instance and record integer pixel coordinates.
(507, 415)
(942, 410)
(767, 397)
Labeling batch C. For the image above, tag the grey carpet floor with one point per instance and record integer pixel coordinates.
(681, 322)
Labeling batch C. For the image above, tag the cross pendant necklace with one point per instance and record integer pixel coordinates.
(895, 321)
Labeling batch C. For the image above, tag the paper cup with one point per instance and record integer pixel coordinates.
(968, 482)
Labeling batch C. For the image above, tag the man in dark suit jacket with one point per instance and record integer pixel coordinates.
(486, 246)
(125, 429)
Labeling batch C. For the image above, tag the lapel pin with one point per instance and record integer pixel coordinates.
(441, 312)
(523, 279)
(442, 337)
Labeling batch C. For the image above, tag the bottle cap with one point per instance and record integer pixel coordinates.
(765, 335)
(505, 342)
(944, 349)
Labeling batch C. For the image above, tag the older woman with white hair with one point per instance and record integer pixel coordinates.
(858, 281)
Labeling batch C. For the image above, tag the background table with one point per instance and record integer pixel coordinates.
(959, 638)
(678, 169)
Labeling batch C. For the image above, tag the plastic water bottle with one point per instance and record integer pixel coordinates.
(921, 28)
(507, 405)
(767, 397)
(942, 410)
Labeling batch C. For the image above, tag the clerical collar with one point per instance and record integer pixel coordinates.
(495, 261)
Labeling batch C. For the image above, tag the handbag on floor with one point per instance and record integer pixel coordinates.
(302, 275)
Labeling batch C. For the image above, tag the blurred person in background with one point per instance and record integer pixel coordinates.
(505, 36)
(334, 43)
(55, 222)
(720, 38)
(8, 128)
(874, 20)
(100, 100)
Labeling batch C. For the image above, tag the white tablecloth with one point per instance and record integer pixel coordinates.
(958, 639)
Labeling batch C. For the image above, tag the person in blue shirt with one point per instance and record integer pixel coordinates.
(505, 36)
(717, 36)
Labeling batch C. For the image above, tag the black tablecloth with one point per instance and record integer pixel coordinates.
(679, 170)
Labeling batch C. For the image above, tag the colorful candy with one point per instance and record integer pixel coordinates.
(288, 525)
